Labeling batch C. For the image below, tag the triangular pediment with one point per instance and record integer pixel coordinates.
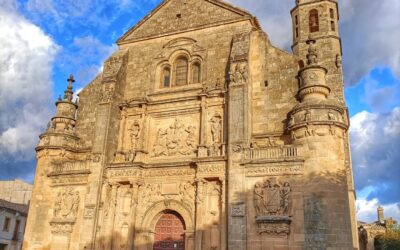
(174, 16)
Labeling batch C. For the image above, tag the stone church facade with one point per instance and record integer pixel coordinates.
(200, 134)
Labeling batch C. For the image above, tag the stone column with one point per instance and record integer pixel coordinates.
(134, 203)
(121, 131)
(201, 185)
(202, 149)
(238, 122)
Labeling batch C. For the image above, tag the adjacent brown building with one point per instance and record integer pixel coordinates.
(200, 134)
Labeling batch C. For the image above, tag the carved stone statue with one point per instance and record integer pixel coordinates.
(216, 128)
(135, 134)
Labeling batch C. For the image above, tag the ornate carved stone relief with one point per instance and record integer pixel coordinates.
(69, 167)
(66, 205)
(108, 92)
(271, 204)
(238, 73)
(61, 228)
(238, 210)
(177, 139)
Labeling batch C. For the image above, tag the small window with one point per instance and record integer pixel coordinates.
(181, 71)
(313, 21)
(16, 230)
(6, 225)
(297, 32)
(196, 73)
(166, 77)
(331, 13)
(333, 26)
(296, 19)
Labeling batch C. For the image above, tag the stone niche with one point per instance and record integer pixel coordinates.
(272, 204)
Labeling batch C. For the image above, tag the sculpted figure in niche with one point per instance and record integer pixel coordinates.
(135, 134)
(216, 129)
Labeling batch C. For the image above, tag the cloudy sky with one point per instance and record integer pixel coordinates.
(43, 41)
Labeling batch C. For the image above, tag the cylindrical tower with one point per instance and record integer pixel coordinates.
(319, 124)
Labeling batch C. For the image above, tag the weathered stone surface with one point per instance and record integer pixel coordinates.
(198, 121)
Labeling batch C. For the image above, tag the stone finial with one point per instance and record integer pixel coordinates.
(312, 55)
(68, 93)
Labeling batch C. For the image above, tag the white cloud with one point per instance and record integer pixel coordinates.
(369, 31)
(370, 36)
(375, 141)
(367, 210)
(26, 56)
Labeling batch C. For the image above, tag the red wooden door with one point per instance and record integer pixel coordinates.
(170, 233)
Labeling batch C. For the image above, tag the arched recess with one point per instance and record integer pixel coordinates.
(154, 213)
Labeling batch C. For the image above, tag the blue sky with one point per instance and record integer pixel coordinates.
(43, 41)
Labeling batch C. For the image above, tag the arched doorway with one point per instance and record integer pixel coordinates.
(169, 232)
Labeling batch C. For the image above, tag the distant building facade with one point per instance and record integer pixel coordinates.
(369, 233)
(199, 134)
(16, 191)
(12, 224)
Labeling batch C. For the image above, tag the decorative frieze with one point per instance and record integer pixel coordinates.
(123, 172)
(66, 180)
(275, 169)
(213, 168)
(168, 172)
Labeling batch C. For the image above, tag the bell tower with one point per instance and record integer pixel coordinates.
(318, 20)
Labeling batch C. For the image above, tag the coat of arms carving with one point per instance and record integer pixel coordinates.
(271, 203)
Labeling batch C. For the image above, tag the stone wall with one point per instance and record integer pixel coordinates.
(15, 191)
